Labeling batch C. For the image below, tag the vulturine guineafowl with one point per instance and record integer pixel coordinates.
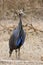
(17, 38)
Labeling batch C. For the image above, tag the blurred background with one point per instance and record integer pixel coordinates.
(31, 7)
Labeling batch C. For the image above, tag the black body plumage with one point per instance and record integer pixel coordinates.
(17, 38)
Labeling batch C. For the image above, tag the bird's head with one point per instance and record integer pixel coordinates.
(21, 13)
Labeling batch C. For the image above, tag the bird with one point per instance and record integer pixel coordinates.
(17, 38)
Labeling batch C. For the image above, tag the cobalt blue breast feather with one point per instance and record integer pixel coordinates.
(19, 41)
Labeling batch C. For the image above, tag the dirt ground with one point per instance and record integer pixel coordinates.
(32, 50)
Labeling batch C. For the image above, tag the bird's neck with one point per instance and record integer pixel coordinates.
(20, 24)
(20, 19)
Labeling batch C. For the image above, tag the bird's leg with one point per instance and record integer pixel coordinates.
(10, 52)
(16, 53)
(19, 53)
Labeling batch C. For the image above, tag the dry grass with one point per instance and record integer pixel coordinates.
(32, 50)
